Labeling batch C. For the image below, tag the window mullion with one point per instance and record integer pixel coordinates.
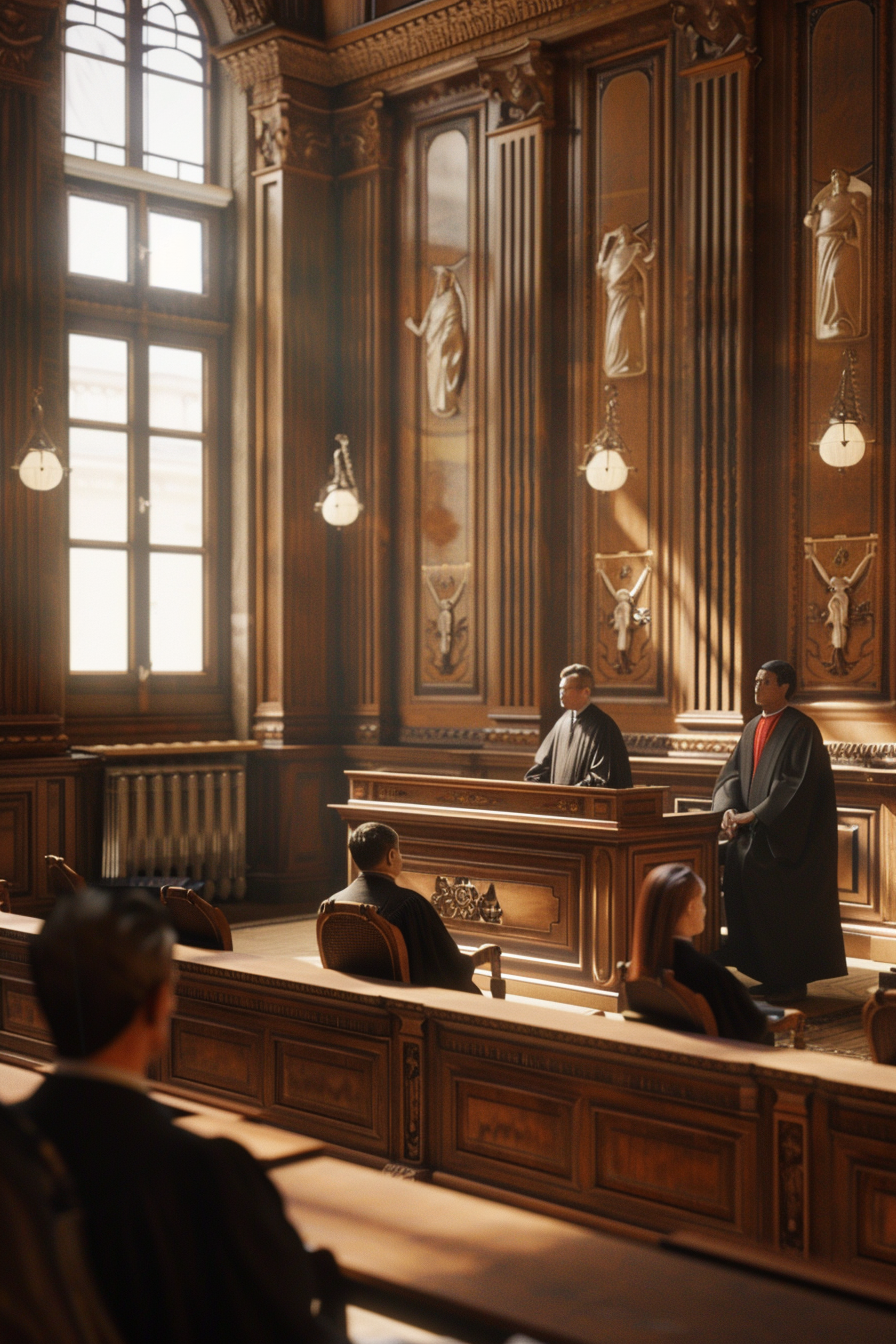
(141, 505)
(135, 83)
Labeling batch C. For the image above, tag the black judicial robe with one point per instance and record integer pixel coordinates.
(781, 871)
(593, 753)
(737, 1016)
(433, 956)
(186, 1236)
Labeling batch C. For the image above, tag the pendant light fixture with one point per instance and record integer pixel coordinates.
(842, 444)
(607, 463)
(38, 462)
(339, 503)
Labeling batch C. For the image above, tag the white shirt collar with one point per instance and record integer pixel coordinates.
(102, 1073)
(776, 713)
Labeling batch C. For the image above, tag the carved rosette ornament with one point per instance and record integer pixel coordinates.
(716, 28)
(23, 28)
(520, 82)
(362, 137)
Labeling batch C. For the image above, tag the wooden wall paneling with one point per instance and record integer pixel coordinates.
(843, 288)
(295, 848)
(441, 579)
(365, 185)
(713, 372)
(521, 87)
(31, 538)
(294, 231)
(48, 806)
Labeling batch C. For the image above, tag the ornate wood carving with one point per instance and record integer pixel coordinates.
(363, 136)
(520, 82)
(24, 26)
(716, 28)
(411, 1070)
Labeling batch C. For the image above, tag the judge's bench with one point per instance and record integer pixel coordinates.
(566, 864)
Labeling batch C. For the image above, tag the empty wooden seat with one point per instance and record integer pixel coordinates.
(60, 878)
(671, 1004)
(353, 937)
(879, 1021)
(198, 923)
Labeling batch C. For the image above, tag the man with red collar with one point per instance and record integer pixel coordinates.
(780, 818)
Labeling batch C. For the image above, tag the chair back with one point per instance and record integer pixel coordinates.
(670, 1004)
(60, 878)
(879, 1021)
(198, 923)
(5, 902)
(355, 939)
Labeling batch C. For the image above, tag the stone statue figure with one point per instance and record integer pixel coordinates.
(445, 618)
(837, 614)
(838, 218)
(622, 265)
(626, 616)
(444, 330)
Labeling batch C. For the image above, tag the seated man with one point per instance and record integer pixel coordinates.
(187, 1237)
(433, 956)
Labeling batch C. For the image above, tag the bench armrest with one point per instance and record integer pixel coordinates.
(491, 954)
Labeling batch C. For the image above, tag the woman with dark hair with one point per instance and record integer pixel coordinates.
(670, 912)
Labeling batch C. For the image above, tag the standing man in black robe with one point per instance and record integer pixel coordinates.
(433, 956)
(585, 746)
(780, 819)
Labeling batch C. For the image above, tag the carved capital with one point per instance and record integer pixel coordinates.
(363, 136)
(24, 25)
(291, 135)
(520, 82)
(244, 15)
(716, 28)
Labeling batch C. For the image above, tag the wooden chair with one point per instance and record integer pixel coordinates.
(5, 902)
(671, 1004)
(879, 1021)
(198, 923)
(60, 878)
(355, 939)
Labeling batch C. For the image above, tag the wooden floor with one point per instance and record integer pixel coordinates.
(833, 1007)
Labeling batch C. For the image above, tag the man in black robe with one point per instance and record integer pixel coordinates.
(585, 746)
(780, 819)
(433, 956)
(186, 1236)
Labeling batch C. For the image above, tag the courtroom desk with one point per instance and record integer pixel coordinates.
(567, 865)
(602, 1122)
(464, 1265)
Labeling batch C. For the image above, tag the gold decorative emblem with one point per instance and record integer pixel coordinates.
(461, 900)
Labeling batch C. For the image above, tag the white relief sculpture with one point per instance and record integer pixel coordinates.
(622, 265)
(837, 613)
(444, 331)
(626, 616)
(446, 628)
(839, 220)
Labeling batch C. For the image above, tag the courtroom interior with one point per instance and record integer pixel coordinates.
(447, 670)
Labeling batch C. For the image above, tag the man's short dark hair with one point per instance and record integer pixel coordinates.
(370, 842)
(784, 672)
(95, 962)
(580, 670)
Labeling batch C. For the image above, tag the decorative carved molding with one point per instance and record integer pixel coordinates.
(791, 1185)
(460, 899)
(716, 28)
(244, 15)
(520, 82)
(24, 25)
(288, 134)
(363, 137)
(446, 737)
(411, 1083)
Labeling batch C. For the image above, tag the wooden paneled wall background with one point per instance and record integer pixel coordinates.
(469, 230)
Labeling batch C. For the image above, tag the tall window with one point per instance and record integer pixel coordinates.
(144, 330)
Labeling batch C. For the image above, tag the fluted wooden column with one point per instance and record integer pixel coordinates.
(32, 685)
(295, 296)
(362, 136)
(521, 91)
(716, 77)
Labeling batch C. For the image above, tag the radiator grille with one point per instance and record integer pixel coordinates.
(178, 821)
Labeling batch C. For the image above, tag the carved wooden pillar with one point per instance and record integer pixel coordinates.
(31, 537)
(716, 72)
(362, 136)
(294, 297)
(520, 84)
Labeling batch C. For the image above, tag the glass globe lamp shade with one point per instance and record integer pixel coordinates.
(842, 444)
(607, 470)
(40, 469)
(340, 507)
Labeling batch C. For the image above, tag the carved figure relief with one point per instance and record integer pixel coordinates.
(716, 27)
(443, 328)
(447, 634)
(626, 617)
(791, 1185)
(840, 612)
(839, 218)
(622, 265)
(461, 900)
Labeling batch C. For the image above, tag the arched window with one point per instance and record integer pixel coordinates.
(136, 86)
(146, 329)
